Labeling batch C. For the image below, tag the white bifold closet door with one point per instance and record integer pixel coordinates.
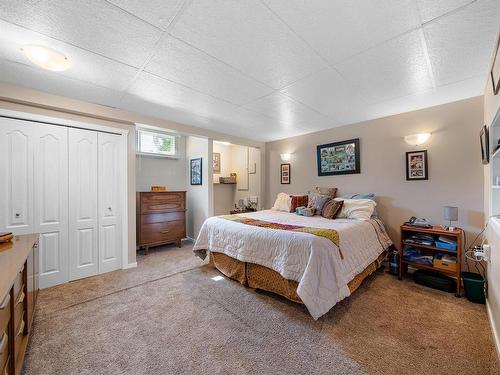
(109, 200)
(34, 190)
(83, 231)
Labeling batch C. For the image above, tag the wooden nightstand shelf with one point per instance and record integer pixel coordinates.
(407, 231)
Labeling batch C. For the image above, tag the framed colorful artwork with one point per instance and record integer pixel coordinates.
(285, 174)
(196, 171)
(416, 166)
(339, 158)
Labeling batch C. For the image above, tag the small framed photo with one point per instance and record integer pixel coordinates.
(216, 162)
(416, 166)
(196, 171)
(338, 158)
(495, 69)
(285, 174)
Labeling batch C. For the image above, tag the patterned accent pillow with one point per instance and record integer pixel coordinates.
(331, 191)
(332, 208)
(317, 201)
(298, 201)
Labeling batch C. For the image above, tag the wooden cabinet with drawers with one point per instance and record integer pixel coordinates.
(161, 218)
(18, 294)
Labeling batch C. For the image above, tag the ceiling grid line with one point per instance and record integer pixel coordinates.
(163, 35)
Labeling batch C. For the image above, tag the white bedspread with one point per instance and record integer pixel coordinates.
(313, 261)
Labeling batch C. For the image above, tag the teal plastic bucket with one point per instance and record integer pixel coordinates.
(474, 287)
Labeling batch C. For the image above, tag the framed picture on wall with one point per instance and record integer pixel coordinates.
(485, 144)
(196, 171)
(216, 162)
(416, 166)
(339, 158)
(285, 174)
(495, 69)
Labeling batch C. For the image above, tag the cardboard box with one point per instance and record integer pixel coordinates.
(444, 265)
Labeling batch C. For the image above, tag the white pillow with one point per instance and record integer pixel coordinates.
(283, 202)
(359, 209)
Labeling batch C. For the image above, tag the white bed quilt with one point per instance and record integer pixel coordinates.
(313, 261)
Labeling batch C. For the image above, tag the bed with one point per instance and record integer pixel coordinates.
(300, 265)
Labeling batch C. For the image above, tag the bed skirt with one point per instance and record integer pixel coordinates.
(259, 277)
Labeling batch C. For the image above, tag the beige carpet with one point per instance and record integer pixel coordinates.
(169, 316)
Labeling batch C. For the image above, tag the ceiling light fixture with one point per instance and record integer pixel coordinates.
(46, 58)
(417, 139)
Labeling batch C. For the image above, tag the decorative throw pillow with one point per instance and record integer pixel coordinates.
(331, 191)
(317, 201)
(298, 201)
(332, 208)
(283, 202)
(358, 196)
(359, 209)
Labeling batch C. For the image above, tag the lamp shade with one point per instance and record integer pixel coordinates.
(450, 213)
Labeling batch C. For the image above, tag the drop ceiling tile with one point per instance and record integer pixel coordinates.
(172, 95)
(246, 35)
(340, 29)
(393, 69)
(430, 9)
(181, 63)
(467, 88)
(286, 110)
(460, 45)
(86, 66)
(156, 12)
(56, 84)
(326, 92)
(95, 25)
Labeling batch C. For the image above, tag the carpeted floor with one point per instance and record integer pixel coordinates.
(169, 316)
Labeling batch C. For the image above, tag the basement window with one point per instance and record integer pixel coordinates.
(150, 142)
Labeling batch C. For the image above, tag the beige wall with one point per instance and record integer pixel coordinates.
(455, 169)
(199, 197)
(169, 172)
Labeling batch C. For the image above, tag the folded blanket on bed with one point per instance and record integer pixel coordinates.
(329, 234)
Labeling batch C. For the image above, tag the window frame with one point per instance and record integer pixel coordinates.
(153, 154)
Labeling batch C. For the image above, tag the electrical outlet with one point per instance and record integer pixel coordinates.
(486, 252)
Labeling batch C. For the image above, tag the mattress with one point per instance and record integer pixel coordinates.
(313, 262)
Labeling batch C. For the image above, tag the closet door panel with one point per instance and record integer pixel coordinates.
(110, 194)
(16, 168)
(82, 203)
(51, 202)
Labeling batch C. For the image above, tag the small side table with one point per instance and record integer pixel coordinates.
(436, 231)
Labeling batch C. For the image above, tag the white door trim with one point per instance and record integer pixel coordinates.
(123, 164)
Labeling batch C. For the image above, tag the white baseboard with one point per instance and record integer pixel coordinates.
(496, 337)
(130, 265)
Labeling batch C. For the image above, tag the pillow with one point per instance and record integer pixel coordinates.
(358, 196)
(283, 202)
(317, 201)
(332, 208)
(358, 209)
(332, 192)
(298, 201)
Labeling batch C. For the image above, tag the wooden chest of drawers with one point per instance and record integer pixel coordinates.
(18, 295)
(161, 218)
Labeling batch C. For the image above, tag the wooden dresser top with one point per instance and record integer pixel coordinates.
(12, 257)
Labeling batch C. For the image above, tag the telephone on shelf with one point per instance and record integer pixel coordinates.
(418, 222)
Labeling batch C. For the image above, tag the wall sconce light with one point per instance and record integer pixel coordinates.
(417, 139)
(286, 157)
